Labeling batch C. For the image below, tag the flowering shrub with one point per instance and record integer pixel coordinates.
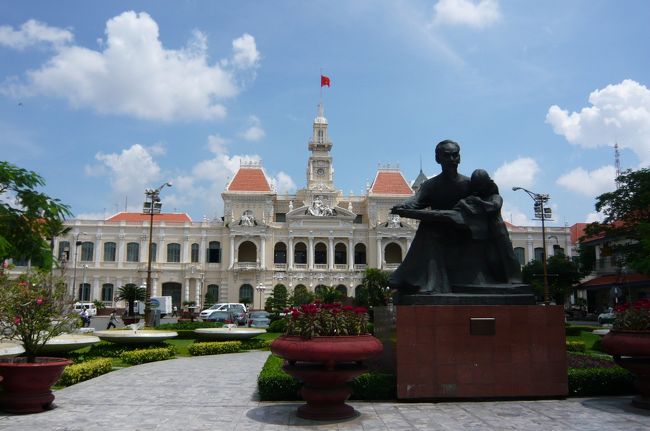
(634, 316)
(318, 319)
(33, 309)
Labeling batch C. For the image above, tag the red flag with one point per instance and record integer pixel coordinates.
(324, 80)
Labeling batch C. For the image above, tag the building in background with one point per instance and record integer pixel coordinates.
(316, 237)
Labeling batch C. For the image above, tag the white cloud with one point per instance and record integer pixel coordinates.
(594, 216)
(255, 132)
(512, 214)
(520, 173)
(592, 183)
(283, 183)
(467, 12)
(217, 144)
(618, 113)
(32, 33)
(135, 75)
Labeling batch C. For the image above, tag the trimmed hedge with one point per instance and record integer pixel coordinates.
(73, 374)
(214, 348)
(576, 346)
(575, 330)
(279, 326)
(141, 356)
(274, 384)
(600, 381)
(256, 344)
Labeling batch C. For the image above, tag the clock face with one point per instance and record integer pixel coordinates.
(320, 172)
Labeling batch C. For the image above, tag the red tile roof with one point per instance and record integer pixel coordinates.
(140, 217)
(390, 183)
(604, 280)
(577, 232)
(249, 180)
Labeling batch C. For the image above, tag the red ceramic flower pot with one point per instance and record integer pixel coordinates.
(631, 350)
(26, 386)
(325, 365)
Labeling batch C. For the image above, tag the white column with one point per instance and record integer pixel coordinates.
(379, 253)
(310, 253)
(154, 286)
(199, 289)
(187, 289)
(290, 254)
(350, 253)
(121, 255)
(330, 253)
(531, 250)
(263, 253)
(95, 292)
(232, 251)
(98, 251)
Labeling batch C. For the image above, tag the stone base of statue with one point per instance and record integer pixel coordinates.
(475, 351)
(474, 294)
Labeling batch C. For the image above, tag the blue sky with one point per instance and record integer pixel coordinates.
(105, 99)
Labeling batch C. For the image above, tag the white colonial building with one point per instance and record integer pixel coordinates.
(315, 237)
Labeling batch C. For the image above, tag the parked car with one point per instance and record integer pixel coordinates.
(259, 319)
(238, 312)
(607, 316)
(220, 316)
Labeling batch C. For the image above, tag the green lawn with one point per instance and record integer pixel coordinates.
(588, 338)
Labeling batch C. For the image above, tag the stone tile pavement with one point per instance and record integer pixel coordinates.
(219, 393)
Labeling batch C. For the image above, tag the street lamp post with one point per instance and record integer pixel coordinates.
(77, 243)
(541, 213)
(83, 291)
(261, 288)
(151, 206)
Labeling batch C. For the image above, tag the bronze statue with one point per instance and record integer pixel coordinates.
(461, 239)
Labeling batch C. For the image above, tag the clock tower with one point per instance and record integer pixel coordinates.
(320, 173)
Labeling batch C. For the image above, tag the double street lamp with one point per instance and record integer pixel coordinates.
(541, 213)
(261, 288)
(151, 206)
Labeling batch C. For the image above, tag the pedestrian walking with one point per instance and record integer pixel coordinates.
(112, 321)
(85, 317)
(174, 311)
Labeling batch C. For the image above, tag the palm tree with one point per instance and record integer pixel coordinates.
(131, 293)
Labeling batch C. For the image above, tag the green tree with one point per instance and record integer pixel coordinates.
(329, 295)
(375, 290)
(131, 293)
(627, 219)
(28, 218)
(563, 274)
(301, 296)
(278, 300)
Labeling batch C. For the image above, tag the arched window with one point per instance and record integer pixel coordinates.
(109, 252)
(133, 252)
(87, 251)
(520, 255)
(107, 292)
(84, 292)
(343, 289)
(300, 253)
(173, 252)
(64, 250)
(539, 254)
(320, 254)
(212, 294)
(247, 252)
(357, 290)
(246, 294)
(360, 254)
(280, 253)
(213, 254)
(194, 254)
(340, 254)
(393, 253)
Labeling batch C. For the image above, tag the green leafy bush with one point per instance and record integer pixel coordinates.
(215, 348)
(141, 356)
(105, 349)
(188, 326)
(256, 344)
(275, 385)
(575, 330)
(76, 373)
(277, 326)
(600, 381)
(576, 346)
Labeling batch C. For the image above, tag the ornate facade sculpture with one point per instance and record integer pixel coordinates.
(318, 208)
(247, 219)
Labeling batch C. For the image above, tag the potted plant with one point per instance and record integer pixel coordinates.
(629, 343)
(324, 346)
(33, 309)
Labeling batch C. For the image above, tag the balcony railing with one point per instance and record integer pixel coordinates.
(280, 266)
(360, 266)
(320, 266)
(340, 266)
(391, 266)
(246, 266)
(300, 266)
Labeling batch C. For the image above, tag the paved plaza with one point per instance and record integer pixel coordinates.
(219, 393)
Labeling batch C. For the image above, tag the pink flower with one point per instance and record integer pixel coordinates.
(39, 301)
(17, 320)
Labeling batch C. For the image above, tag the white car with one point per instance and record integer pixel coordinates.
(238, 311)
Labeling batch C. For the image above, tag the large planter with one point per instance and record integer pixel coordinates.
(26, 386)
(631, 350)
(325, 365)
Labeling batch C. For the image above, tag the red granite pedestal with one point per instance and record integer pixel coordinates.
(480, 351)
